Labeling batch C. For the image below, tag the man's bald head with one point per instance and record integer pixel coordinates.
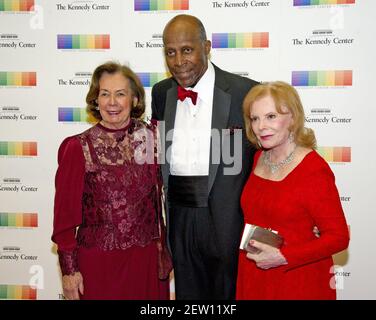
(186, 21)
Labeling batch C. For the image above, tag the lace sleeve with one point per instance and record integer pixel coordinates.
(68, 262)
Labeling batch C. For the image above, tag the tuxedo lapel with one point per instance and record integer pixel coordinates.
(169, 118)
(220, 116)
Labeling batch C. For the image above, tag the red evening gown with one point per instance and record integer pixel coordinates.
(107, 189)
(307, 197)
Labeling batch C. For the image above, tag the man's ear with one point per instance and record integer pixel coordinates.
(207, 47)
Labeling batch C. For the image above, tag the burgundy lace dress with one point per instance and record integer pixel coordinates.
(107, 222)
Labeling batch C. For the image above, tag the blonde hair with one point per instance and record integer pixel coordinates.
(137, 89)
(284, 95)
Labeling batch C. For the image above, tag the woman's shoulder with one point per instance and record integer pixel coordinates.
(151, 124)
(314, 163)
(146, 122)
(74, 142)
(69, 144)
(70, 141)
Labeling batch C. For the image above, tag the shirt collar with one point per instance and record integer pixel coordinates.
(206, 82)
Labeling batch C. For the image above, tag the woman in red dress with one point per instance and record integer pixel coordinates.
(108, 187)
(291, 190)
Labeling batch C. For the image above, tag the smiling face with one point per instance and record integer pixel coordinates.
(270, 127)
(115, 100)
(185, 51)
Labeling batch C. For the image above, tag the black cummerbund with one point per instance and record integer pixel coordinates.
(188, 191)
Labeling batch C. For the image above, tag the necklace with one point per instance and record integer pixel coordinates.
(274, 167)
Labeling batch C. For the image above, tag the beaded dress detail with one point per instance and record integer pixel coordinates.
(118, 210)
(109, 185)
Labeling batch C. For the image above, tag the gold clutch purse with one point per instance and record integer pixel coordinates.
(267, 236)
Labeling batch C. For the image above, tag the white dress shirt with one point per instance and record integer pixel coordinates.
(190, 149)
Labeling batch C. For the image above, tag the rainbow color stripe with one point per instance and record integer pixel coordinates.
(83, 41)
(322, 78)
(335, 154)
(21, 79)
(17, 5)
(18, 148)
(71, 114)
(321, 2)
(149, 79)
(241, 40)
(20, 220)
(17, 292)
(157, 5)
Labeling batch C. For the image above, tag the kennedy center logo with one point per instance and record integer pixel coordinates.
(240, 40)
(14, 41)
(325, 116)
(83, 6)
(335, 154)
(17, 292)
(83, 41)
(18, 148)
(322, 78)
(15, 185)
(149, 79)
(324, 38)
(15, 113)
(159, 5)
(75, 114)
(18, 79)
(17, 5)
(299, 3)
(18, 220)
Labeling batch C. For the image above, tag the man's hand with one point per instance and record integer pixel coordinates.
(72, 285)
(269, 257)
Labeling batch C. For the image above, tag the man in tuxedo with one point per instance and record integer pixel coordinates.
(201, 109)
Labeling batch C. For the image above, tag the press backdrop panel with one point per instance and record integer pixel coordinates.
(49, 49)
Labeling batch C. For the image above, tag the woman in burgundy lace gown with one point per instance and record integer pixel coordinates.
(108, 224)
(291, 189)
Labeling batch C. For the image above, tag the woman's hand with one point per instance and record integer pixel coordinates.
(269, 257)
(72, 285)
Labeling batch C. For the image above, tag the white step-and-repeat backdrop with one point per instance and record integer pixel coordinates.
(48, 50)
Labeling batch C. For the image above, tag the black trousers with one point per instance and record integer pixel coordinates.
(199, 271)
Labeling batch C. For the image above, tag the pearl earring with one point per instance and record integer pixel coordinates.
(291, 137)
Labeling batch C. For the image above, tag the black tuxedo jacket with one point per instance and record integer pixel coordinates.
(224, 190)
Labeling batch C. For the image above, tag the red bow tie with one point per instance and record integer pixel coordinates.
(183, 93)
